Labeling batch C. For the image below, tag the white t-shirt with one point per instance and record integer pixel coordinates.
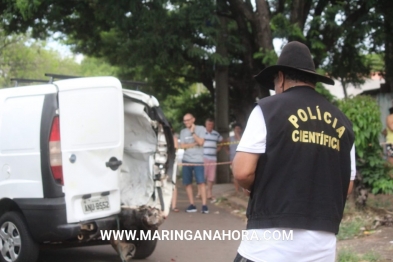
(210, 145)
(282, 245)
(307, 245)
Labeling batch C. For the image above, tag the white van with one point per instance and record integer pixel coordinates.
(72, 153)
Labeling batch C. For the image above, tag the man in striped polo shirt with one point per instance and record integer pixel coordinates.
(210, 149)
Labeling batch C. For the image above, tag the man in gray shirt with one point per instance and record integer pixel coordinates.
(191, 140)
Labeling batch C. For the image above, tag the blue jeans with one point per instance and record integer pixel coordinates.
(198, 171)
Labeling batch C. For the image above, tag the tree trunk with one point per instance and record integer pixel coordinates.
(264, 34)
(388, 27)
(344, 85)
(222, 119)
(222, 101)
(245, 89)
(297, 12)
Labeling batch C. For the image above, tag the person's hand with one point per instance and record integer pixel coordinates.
(192, 128)
(246, 192)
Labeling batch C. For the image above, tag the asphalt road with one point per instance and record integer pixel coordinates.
(169, 250)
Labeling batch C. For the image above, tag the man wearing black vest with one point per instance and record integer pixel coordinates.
(297, 159)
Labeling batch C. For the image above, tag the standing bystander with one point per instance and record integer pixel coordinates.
(210, 149)
(297, 159)
(389, 136)
(191, 140)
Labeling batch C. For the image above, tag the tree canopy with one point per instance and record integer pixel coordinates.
(24, 58)
(172, 44)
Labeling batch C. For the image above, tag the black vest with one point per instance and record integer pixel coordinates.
(302, 179)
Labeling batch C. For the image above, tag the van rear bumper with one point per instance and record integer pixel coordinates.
(47, 220)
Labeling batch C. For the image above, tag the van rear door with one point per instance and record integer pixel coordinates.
(91, 133)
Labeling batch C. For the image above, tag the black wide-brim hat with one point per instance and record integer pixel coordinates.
(294, 55)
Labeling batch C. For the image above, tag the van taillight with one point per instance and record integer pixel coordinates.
(55, 151)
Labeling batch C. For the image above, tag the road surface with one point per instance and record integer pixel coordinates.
(169, 250)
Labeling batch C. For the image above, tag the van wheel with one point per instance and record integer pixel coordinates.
(16, 243)
(144, 248)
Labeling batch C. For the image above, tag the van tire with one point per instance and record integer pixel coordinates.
(144, 248)
(28, 249)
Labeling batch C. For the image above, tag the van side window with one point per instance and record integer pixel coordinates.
(20, 127)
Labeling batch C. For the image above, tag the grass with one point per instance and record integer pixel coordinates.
(358, 223)
(371, 256)
(351, 228)
(381, 201)
(348, 255)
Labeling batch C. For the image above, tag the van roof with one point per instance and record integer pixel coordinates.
(150, 100)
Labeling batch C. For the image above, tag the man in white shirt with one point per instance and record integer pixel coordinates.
(210, 149)
(297, 159)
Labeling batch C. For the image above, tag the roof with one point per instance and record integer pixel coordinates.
(371, 85)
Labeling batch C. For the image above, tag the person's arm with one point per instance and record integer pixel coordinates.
(243, 167)
(186, 146)
(220, 140)
(198, 135)
(199, 140)
(175, 142)
(353, 169)
(350, 187)
(251, 146)
(389, 122)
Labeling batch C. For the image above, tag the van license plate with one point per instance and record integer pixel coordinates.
(91, 205)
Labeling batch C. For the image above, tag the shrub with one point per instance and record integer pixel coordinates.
(364, 113)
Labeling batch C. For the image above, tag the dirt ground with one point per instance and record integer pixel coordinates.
(371, 233)
(380, 243)
(376, 235)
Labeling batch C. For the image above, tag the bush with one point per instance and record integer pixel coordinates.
(323, 91)
(364, 113)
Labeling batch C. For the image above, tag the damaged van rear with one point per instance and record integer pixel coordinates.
(80, 156)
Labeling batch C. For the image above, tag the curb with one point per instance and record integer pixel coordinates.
(238, 202)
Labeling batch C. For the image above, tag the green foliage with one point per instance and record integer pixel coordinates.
(23, 57)
(200, 105)
(173, 44)
(326, 93)
(91, 66)
(282, 28)
(268, 57)
(376, 62)
(364, 113)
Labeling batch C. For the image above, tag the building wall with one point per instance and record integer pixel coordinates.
(385, 101)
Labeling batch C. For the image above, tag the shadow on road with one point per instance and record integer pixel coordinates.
(101, 253)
